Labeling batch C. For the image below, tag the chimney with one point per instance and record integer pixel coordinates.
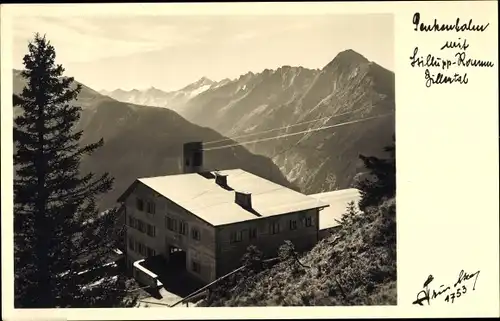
(221, 180)
(243, 199)
(193, 157)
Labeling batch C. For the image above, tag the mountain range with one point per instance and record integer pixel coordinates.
(347, 90)
(143, 141)
(144, 130)
(159, 98)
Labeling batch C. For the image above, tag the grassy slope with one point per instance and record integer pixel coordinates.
(361, 258)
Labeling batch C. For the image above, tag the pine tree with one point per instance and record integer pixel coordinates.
(252, 258)
(381, 183)
(58, 231)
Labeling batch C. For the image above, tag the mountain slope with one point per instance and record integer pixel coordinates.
(349, 88)
(145, 141)
(87, 99)
(141, 141)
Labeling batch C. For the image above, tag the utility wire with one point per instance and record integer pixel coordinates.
(293, 145)
(297, 133)
(288, 148)
(280, 128)
(284, 150)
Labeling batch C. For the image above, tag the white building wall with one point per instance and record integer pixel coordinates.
(201, 251)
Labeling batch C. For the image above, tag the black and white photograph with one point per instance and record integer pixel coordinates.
(238, 160)
(204, 161)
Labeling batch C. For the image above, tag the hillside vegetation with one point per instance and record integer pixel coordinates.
(354, 266)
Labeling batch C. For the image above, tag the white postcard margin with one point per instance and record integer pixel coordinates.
(447, 161)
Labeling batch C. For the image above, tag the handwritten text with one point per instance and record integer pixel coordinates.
(460, 58)
(449, 293)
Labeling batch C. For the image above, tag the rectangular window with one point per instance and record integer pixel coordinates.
(171, 224)
(197, 158)
(275, 228)
(132, 222)
(140, 204)
(151, 208)
(308, 221)
(195, 234)
(196, 267)
(293, 224)
(131, 244)
(150, 252)
(183, 228)
(253, 233)
(236, 236)
(141, 248)
(151, 230)
(141, 226)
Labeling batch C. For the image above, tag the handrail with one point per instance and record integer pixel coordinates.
(206, 286)
(213, 282)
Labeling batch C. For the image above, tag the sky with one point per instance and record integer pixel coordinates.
(169, 52)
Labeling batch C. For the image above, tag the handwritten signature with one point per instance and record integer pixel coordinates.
(452, 293)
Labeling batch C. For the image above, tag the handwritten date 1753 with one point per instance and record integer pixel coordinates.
(459, 292)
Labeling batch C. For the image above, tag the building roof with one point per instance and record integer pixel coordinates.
(216, 205)
(338, 201)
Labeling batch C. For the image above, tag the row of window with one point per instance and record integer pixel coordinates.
(238, 236)
(292, 225)
(140, 248)
(146, 206)
(141, 226)
(170, 223)
(275, 228)
(182, 228)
